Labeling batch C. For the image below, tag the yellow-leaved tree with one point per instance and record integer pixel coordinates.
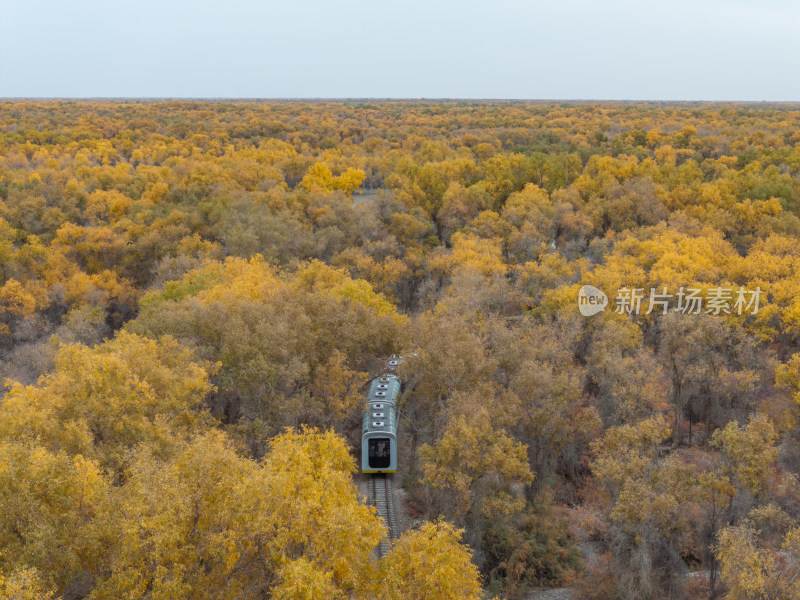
(210, 523)
(647, 495)
(749, 451)
(320, 177)
(470, 452)
(51, 518)
(101, 402)
(751, 570)
(293, 348)
(447, 574)
(23, 584)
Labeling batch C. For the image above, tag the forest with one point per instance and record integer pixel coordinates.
(194, 296)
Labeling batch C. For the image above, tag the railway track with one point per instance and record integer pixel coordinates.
(380, 492)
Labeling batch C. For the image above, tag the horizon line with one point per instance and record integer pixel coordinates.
(420, 99)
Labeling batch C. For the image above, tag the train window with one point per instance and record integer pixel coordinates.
(379, 453)
(377, 415)
(377, 423)
(377, 405)
(380, 394)
(382, 386)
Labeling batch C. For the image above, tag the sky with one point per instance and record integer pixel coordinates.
(567, 49)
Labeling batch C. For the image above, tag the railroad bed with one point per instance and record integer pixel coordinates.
(382, 497)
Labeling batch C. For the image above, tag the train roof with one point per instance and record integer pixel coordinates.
(380, 412)
(379, 417)
(385, 388)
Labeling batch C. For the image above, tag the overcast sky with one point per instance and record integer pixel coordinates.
(565, 49)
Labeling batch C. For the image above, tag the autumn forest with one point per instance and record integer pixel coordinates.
(194, 297)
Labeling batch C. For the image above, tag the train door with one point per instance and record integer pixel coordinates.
(379, 453)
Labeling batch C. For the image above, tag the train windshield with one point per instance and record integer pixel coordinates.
(379, 453)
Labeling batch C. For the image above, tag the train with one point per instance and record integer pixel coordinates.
(379, 426)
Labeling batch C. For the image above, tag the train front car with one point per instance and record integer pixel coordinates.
(379, 430)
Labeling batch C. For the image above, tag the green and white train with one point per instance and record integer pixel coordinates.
(379, 427)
